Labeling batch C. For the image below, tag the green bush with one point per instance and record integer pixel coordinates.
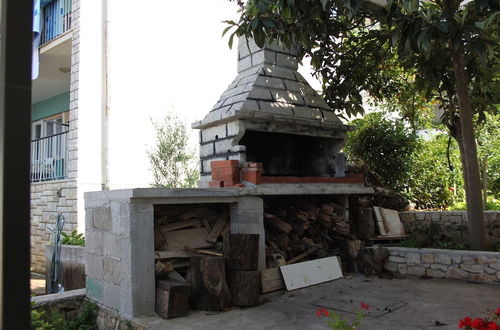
(73, 238)
(174, 165)
(385, 146)
(53, 320)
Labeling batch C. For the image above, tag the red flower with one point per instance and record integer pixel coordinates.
(465, 322)
(492, 326)
(497, 312)
(322, 312)
(478, 323)
(363, 305)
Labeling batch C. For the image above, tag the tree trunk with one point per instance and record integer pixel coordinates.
(484, 177)
(478, 238)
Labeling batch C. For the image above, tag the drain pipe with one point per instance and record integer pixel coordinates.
(105, 98)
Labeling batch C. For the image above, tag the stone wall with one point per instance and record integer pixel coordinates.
(475, 266)
(47, 200)
(450, 226)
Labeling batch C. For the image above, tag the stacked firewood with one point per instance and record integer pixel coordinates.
(182, 231)
(304, 229)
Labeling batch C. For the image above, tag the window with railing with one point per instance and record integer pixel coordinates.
(49, 150)
(56, 19)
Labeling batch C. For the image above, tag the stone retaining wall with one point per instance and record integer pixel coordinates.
(473, 266)
(47, 200)
(452, 226)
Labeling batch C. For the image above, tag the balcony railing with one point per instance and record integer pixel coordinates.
(49, 158)
(56, 19)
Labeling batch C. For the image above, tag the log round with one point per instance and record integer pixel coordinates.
(242, 251)
(207, 279)
(245, 287)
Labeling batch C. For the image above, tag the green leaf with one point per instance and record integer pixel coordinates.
(225, 30)
(324, 3)
(442, 26)
(230, 43)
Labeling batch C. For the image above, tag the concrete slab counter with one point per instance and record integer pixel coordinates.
(120, 234)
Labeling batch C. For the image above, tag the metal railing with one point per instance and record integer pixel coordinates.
(49, 158)
(56, 19)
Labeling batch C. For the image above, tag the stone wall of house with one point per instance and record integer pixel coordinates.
(452, 226)
(47, 200)
(51, 197)
(475, 266)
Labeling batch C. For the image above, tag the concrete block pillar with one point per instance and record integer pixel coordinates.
(247, 217)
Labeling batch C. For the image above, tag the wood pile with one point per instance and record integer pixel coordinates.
(183, 231)
(304, 229)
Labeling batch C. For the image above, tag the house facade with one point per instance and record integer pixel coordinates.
(54, 125)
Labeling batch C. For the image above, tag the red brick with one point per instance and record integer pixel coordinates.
(215, 184)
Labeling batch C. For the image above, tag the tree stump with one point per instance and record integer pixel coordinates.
(242, 251)
(245, 287)
(207, 279)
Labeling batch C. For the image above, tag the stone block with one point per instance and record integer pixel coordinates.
(413, 259)
(472, 268)
(113, 244)
(427, 258)
(94, 266)
(207, 150)
(484, 278)
(391, 267)
(264, 57)
(456, 258)
(439, 266)
(112, 268)
(468, 260)
(435, 273)
(442, 258)
(481, 259)
(456, 273)
(260, 93)
(307, 112)
(244, 64)
(270, 82)
(94, 288)
(489, 270)
(287, 61)
(234, 127)
(397, 259)
(111, 295)
(213, 133)
(223, 146)
(415, 271)
(402, 269)
(102, 218)
(279, 73)
(287, 96)
(276, 108)
(495, 266)
(94, 241)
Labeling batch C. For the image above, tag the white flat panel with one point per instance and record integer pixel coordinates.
(380, 221)
(392, 222)
(311, 272)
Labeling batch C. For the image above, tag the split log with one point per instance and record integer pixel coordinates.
(180, 225)
(171, 254)
(206, 252)
(192, 237)
(301, 256)
(242, 251)
(214, 233)
(162, 268)
(278, 223)
(244, 287)
(207, 279)
(172, 298)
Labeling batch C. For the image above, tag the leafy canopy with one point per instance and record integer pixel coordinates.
(173, 163)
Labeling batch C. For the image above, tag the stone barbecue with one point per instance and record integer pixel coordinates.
(269, 114)
(271, 146)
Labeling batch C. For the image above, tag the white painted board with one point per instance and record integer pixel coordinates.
(312, 272)
(392, 222)
(380, 221)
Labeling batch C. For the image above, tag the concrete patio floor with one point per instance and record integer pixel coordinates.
(408, 303)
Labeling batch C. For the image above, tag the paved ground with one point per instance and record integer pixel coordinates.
(37, 284)
(395, 304)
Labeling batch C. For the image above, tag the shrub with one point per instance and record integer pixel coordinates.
(173, 163)
(73, 238)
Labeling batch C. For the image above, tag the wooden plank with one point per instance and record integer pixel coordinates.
(271, 280)
(205, 252)
(312, 272)
(180, 225)
(171, 254)
(392, 222)
(280, 224)
(214, 234)
(380, 220)
(195, 238)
